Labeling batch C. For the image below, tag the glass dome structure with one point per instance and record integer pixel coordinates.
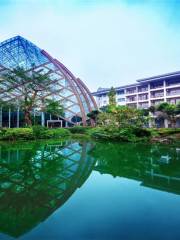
(70, 91)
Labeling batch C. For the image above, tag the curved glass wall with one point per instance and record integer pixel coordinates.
(66, 88)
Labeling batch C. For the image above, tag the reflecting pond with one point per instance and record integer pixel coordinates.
(87, 190)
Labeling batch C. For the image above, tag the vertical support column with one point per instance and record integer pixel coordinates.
(149, 95)
(0, 117)
(137, 105)
(42, 119)
(164, 87)
(17, 118)
(165, 123)
(9, 125)
(151, 115)
(125, 93)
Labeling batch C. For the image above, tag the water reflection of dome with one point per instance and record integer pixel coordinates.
(32, 189)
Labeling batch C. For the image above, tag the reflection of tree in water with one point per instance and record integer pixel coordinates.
(156, 166)
(36, 179)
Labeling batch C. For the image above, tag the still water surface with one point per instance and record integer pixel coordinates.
(83, 191)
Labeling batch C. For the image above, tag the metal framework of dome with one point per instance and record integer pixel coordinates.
(69, 90)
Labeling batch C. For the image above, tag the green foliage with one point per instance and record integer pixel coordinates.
(177, 110)
(152, 109)
(122, 117)
(56, 133)
(121, 134)
(93, 115)
(78, 129)
(17, 134)
(167, 131)
(30, 86)
(112, 97)
(167, 108)
(53, 107)
(141, 132)
(168, 111)
(37, 132)
(43, 132)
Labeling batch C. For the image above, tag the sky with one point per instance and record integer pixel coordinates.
(104, 42)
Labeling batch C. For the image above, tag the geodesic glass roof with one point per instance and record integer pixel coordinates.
(66, 88)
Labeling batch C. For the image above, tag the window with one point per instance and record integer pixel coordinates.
(120, 92)
(121, 99)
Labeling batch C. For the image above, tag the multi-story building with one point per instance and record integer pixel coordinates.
(145, 93)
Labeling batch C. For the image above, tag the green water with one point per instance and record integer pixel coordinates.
(87, 190)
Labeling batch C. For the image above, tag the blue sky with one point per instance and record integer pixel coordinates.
(105, 43)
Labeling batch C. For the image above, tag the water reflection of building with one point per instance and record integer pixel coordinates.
(38, 179)
(158, 167)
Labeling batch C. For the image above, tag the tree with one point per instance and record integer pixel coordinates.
(122, 117)
(127, 116)
(93, 115)
(112, 97)
(169, 111)
(53, 107)
(152, 109)
(107, 119)
(177, 110)
(30, 86)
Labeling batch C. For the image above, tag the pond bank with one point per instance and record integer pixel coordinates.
(97, 133)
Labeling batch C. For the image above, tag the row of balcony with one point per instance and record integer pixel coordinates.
(145, 97)
(152, 87)
(169, 92)
(157, 94)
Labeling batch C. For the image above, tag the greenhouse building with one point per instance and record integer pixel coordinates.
(65, 88)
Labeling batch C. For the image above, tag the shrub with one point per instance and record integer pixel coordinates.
(38, 131)
(2, 131)
(166, 131)
(123, 134)
(43, 132)
(18, 133)
(141, 132)
(56, 133)
(78, 129)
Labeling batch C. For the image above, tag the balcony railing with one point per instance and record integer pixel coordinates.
(156, 86)
(143, 89)
(177, 82)
(131, 92)
(143, 105)
(154, 103)
(131, 99)
(143, 98)
(156, 95)
(171, 93)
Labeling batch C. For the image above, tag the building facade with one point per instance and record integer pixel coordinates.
(145, 92)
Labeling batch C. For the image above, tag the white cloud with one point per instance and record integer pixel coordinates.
(103, 45)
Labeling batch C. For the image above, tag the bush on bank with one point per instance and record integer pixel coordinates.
(130, 134)
(16, 133)
(79, 129)
(36, 132)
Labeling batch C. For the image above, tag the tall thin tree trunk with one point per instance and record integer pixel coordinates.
(27, 116)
